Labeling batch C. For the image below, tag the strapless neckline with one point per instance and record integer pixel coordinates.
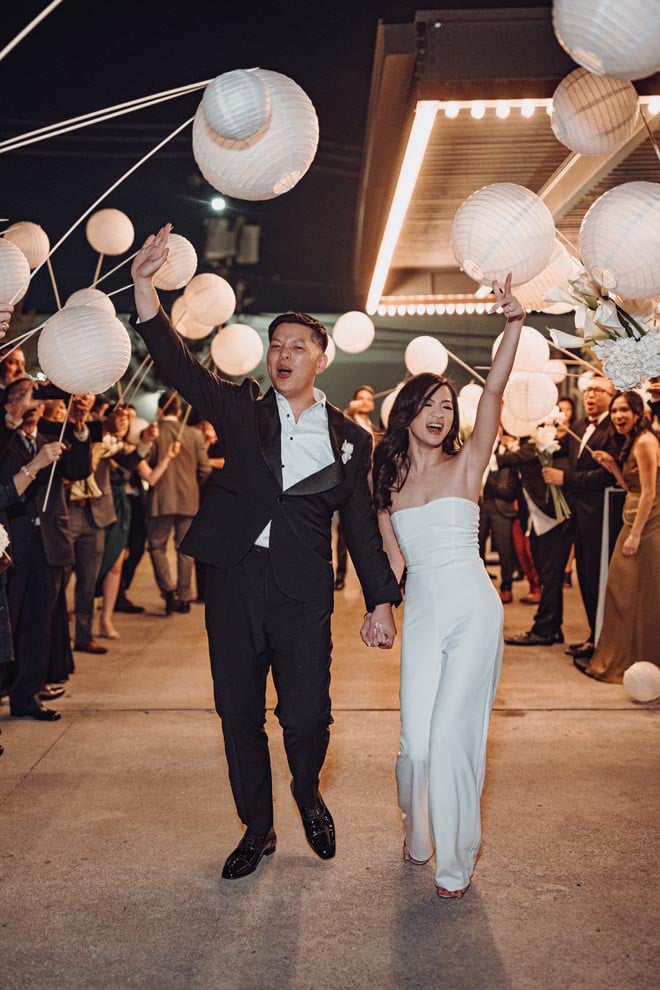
(442, 498)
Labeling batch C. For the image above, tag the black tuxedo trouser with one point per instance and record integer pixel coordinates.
(500, 527)
(550, 552)
(253, 627)
(588, 537)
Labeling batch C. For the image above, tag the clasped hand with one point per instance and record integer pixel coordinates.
(379, 628)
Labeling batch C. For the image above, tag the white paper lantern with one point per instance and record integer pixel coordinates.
(110, 232)
(387, 403)
(185, 324)
(609, 37)
(275, 159)
(620, 240)
(14, 272)
(209, 299)
(642, 681)
(84, 349)
(31, 239)
(237, 349)
(136, 427)
(585, 379)
(330, 352)
(557, 272)
(556, 369)
(594, 115)
(503, 228)
(353, 332)
(533, 351)
(467, 414)
(426, 354)
(91, 297)
(516, 427)
(530, 395)
(237, 104)
(470, 395)
(180, 265)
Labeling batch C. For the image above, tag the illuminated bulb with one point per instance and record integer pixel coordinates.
(430, 309)
(440, 309)
(411, 309)
(480, 308)
(527, 109)
(450, 309)
(452, 110)
(470, 308)
(502, 109)
(420, 309)
(478, 110)
(654, 105)
(401, 310)
(460, 309)
(391, 310)
(382, 310)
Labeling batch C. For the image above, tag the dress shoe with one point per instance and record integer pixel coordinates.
(532, 598)
(584, 652)
(319, 829)
(41, 714)
(49, 693)
(125, 605)
(340, 584)
(183, 607)
(517, 576)
(170, 602)
(247, 854)
(533, 639)
(506, 597)
(91, 647)
(572, 647)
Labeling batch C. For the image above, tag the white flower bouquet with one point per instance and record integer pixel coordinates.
(544, 439)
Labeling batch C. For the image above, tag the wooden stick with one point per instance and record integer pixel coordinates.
(116, 268)
(17, 341)
(28, 27)
(466, 366)
(54, 464)
(58, 301)
(117, 291)
(579, 439)
(649, 131)
(579, 360)
(98, 270)
(183, 422)
(147, 365)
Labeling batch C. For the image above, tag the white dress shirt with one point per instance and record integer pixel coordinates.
(591, 427)
(305, 446)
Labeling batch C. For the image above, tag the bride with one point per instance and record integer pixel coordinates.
(426, 487)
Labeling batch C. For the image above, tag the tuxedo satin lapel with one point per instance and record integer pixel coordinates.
(334, 473)
(270, 434)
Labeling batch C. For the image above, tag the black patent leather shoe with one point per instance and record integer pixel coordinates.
(319, 829)
(50, 692)
(530, 639)
(247, 854)
(584, 652)
(40, 714)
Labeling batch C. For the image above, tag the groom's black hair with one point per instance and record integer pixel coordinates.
(319, 333)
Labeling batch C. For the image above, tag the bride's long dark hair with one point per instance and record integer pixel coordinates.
(391, 461)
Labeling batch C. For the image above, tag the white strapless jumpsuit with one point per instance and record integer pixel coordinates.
(451, 657)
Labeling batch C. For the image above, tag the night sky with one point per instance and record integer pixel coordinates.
(87, 56)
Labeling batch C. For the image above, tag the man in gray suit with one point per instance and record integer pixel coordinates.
(174, 501)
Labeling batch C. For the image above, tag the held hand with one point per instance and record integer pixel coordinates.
(149, 433)
(6, 309)
(151, 256)
(46, 455)
(507, 302)
(553, 476)
(21, 402)
(381, 630)
(174, 448)
(605, 460)
(630, 546)
(81, 406)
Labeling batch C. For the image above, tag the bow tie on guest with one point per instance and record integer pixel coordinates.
(592, 421)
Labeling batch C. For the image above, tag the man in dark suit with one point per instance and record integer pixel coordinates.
(584, 482)
(291, 460)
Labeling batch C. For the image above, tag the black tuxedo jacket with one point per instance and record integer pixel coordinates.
(248, 491)
(27, 515)
(584, 479)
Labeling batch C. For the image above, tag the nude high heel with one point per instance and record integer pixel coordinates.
(408, 858)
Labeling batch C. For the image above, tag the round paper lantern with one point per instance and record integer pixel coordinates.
(237, 104)
(556, 369)
(593, 115)
(31, 239)
(516, 427)
(185, 324)
(14, 272)
(180, 265)
(533, 351)
(91, 297)
(387, 403)
(642, 681)
(273, 160)
(426, 354)
(135, 429)
(503, 228)
(585, 379)
(557, 272)
(209, 299)
(610, 38)
(330, 352)
(237, 349)
(620, 240)
(110, 232)
(84, 349)
(353, 332)
(470, 395)
(530, 395)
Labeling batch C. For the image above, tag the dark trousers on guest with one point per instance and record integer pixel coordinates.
(500, 528)
(253, 628)
(88, 543)
(137, 538)
(550, 552)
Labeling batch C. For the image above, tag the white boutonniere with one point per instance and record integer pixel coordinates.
(346, 452)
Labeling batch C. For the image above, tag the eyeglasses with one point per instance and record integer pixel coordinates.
(598, 391)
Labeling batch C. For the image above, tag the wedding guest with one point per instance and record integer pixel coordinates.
(632, 598)
(359, 410)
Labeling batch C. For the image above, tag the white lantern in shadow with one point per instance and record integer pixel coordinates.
(185, 324)
(31, 239)
(237, 349)
(209, 299)
(179, 266)
(594, 115)
(503, 228)
(14, 272)
(585, 379)
(620, 240)
(642, 681)
(609, 37)
(272, 160)
(517, 427)
(110, 232)
(557, 272)
(353, 332)
(426, 354)
(556, 369)
(84, 349)
(135, 429)
(387, 403)
(533, 351)
(330, 352)
(530, 395)
(91, 297)
(237, 104)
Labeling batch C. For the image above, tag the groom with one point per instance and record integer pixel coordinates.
(291, 460)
